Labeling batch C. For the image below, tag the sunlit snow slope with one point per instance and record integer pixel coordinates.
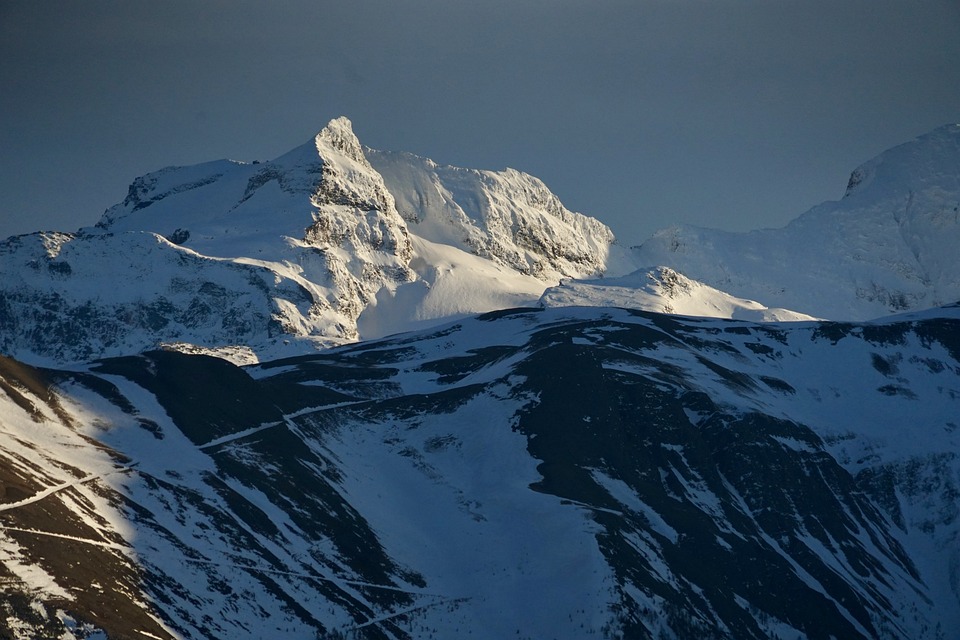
(663, 290)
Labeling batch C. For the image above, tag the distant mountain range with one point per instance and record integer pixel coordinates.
(712, 435)
(889, 245)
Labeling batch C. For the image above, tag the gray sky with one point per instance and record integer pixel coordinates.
(736, 114)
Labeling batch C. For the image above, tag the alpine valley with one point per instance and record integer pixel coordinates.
(349, 393)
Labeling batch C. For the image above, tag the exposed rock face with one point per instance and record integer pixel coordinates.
(363, 241)
(507, 216)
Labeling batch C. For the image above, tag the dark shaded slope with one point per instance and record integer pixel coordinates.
(743, 505)
(721, 480)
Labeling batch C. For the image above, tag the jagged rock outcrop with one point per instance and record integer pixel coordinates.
(507, 216)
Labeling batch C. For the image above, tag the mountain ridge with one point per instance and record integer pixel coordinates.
(887, 246)
(316, 241)
(553, 467)
(622, 473)
(334, 242)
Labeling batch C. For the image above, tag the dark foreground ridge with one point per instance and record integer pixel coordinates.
(527, 473)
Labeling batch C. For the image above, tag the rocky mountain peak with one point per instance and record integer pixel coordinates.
(338, 135)
(268, 255)
(298, 248)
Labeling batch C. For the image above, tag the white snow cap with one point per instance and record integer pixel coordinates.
(928, 159)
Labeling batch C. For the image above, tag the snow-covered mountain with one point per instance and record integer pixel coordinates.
(568, 472)
(565, 469)
(335, 242)
(890, 245)
(261, 259)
